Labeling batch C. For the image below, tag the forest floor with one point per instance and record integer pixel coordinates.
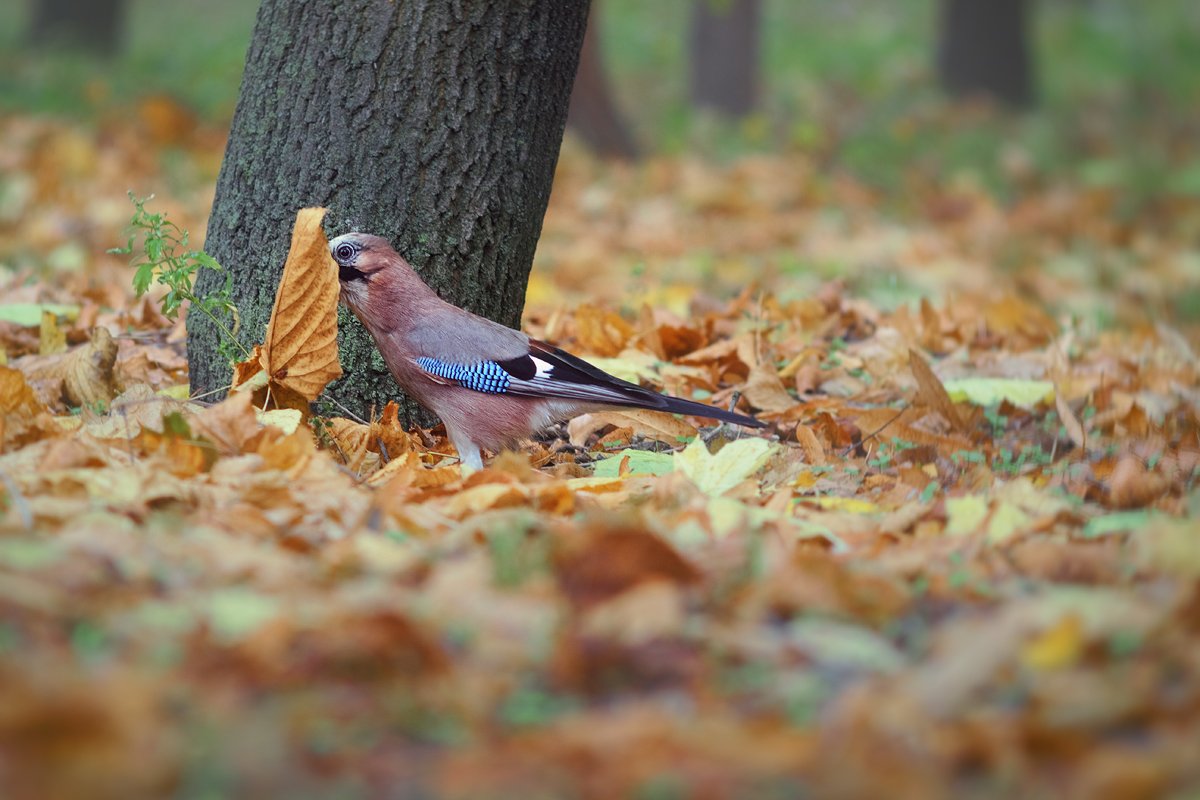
(961, 561)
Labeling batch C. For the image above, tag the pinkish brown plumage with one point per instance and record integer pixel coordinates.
(491, 385)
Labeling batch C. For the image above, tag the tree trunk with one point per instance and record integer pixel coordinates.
(725, 45)
(593, 113)
(984, 50)
(434, 124)
(94, 25)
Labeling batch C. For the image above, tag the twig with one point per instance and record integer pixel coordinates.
(210, 392)
(350, 414)
(876, 432)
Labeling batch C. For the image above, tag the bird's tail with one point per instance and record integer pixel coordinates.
(677, 405)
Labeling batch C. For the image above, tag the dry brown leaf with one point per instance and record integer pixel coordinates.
(600, 331)
(650, 424)
(300, 352)
(81, 377)
(230, 424)
(387, 435)
(351, 440)
(931, 391)
(604, 563)
(1069, 420)
(300, 355)
(814, 453)
(19, 408)
(765, 390)
(1131, 485)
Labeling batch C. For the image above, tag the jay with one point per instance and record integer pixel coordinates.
(490, 385)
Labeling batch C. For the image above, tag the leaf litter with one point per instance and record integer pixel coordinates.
(961, 561)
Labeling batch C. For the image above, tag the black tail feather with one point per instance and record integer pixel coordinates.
(677, 405)
(569, 369)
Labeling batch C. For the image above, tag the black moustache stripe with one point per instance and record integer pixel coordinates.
(350, 274)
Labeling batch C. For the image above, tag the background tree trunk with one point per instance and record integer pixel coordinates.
(725, 45)
(984, 50)
(434, 124)
(593, 112)
(94, 25)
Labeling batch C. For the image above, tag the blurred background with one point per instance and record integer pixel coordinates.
(909, 149)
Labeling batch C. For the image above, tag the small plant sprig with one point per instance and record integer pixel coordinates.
(165, 258)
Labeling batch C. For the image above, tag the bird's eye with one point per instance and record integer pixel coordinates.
(344, 252)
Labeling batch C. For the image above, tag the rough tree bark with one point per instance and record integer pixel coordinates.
(724, 57)
(435, 124)
(984, 50)
(94, 25)
(593, 113)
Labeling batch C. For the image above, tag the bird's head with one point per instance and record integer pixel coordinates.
(360, 258)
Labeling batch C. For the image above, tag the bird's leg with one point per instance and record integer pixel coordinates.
(468, 452)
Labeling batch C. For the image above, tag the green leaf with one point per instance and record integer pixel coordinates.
(1119, 522)
(641, 462)
(991, 391)
(235, 613)
(842, 646)
(21, 554)
(964, 515)
(142, 278)
(29, 315)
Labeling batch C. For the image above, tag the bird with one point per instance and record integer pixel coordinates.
(490, 385)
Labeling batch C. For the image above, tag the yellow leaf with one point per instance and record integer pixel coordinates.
(1058, 646)
(734, 463)
(286, 419)
(180, 391)
(631, 365)
(853, 505)
(51, 338)
(1007, 519)
(964, 515)
(300, 352)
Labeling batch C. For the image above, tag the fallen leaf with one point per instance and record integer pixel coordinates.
(1070, 422)
(29, 315)
(601, 565)
(733, 463)
(80, 377)
(765, 391)
(656, 425)
(52, 339)
(640, 462)
(1131, 485)
(992, 391)
(1057, 647)
(300, 355)
(964, 515)
(932, 393)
